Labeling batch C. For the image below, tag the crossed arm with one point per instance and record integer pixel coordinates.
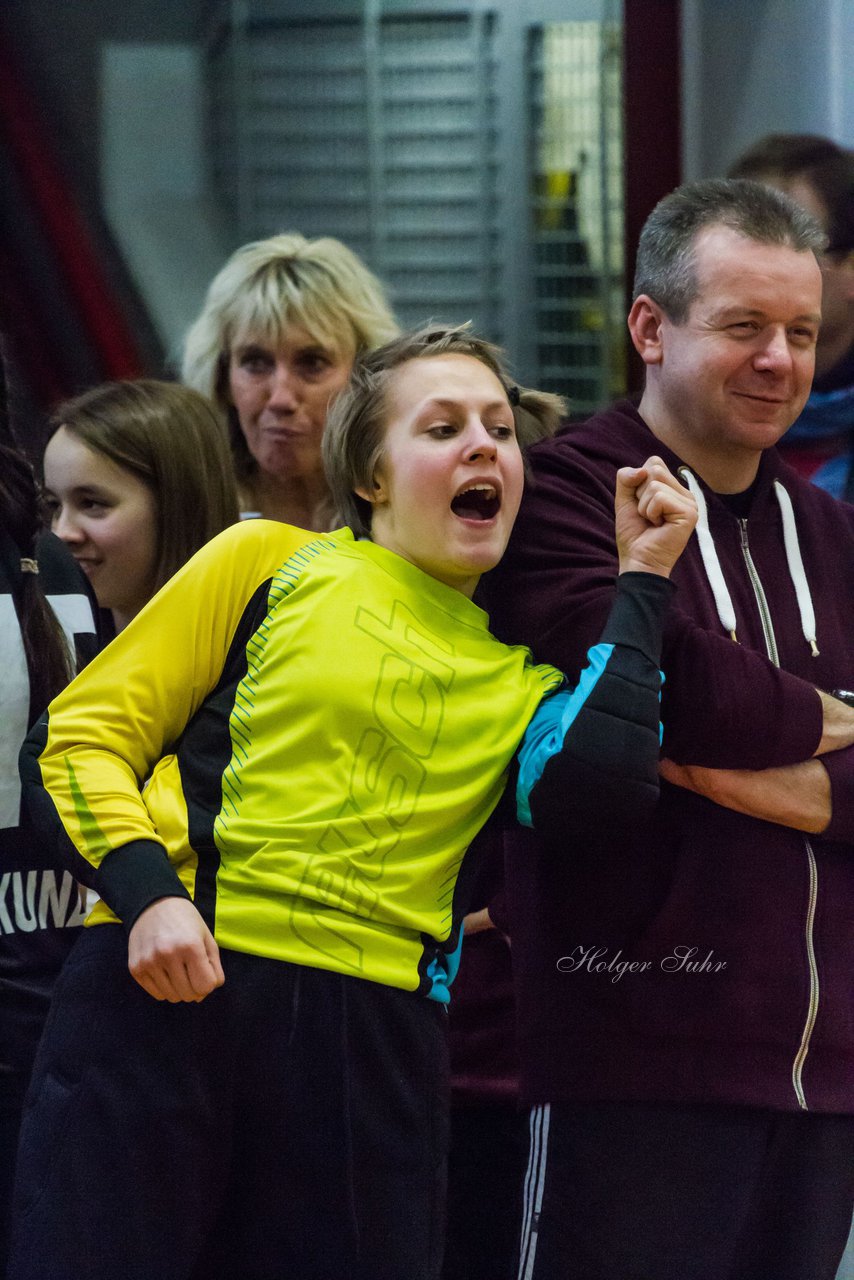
(795, 795)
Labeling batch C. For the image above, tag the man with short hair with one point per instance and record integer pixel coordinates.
(685, 999)
(819, 175)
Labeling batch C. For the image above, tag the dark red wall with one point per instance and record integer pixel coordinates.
(653, 125)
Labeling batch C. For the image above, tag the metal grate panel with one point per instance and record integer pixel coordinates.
(576, 207)
(377, 133)
(412, 135)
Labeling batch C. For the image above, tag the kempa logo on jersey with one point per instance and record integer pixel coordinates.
(389, 764)
(31, 900)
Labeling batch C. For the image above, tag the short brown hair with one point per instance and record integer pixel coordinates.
(172, 439)
(355, 430)
(666, 264)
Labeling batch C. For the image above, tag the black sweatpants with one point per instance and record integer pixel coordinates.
(486, 1167)
(13, 1087)
(636, 1191)
(294, 1123)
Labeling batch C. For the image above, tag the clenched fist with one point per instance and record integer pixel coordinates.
(654, 516)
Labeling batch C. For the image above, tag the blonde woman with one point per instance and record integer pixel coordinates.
(273, 346)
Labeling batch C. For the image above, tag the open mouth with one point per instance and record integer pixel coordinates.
(478, 502)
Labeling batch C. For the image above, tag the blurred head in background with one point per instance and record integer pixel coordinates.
(273, 345)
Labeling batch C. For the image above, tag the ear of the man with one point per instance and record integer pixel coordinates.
(645, 326)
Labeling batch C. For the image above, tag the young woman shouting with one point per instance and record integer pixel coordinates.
(326, 722)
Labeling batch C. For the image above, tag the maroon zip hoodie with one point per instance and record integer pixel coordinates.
(709, 957)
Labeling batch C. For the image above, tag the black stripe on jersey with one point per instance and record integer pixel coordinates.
(40, 810)
(204, 753)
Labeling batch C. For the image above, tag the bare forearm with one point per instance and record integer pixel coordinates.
(796, 795)
(477, 921)
(838, 726)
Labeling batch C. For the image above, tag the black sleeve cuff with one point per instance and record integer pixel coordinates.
(133, 876)
(637, 615)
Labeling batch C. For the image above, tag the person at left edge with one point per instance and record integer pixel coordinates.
(47, 630)
(325, 722)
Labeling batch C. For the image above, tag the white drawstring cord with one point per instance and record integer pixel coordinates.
(794, 561)
(796, 567)
(711, 563)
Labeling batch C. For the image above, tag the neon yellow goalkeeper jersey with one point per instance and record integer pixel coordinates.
(305, 731)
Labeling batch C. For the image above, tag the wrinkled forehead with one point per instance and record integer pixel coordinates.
(736, 269)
